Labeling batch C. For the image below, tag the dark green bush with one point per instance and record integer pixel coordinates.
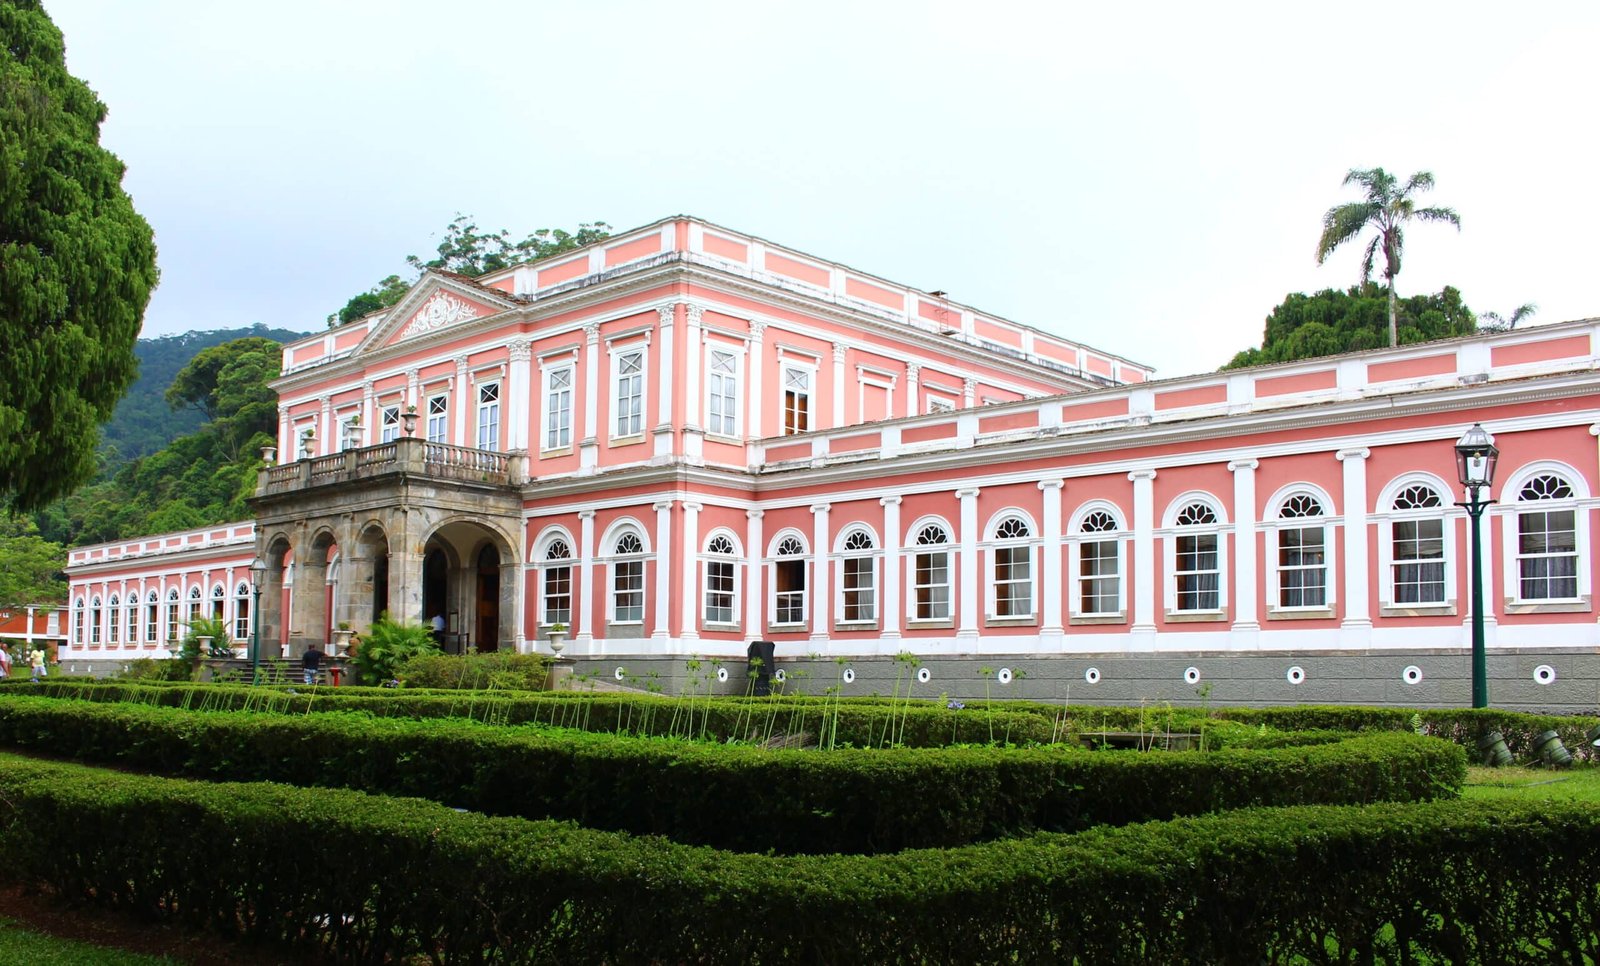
(388, 645)
(475, 672)
(736, 797)
(1461, 882)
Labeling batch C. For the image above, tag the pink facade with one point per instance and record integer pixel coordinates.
(696, 438)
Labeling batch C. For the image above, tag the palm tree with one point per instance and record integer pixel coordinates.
(1495, 322)
(1387, 210)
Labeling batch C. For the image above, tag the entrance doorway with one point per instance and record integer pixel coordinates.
(435, 596)
(486, 632)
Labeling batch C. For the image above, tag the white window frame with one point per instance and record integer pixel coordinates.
(219, 604)
(78, 612)
(615, 560)
(991, 549)
(913, 550)
(1510, 509)
(1171, 532)
(772, 562)
(557, 418)
(131, 604)
(94, 621)
(174, 612)
(940, 404)
(546, 566)
(873, 557)
(874, 379)
(488, 436)
(152, 602)
(1276, 524)
(437, 427)
(620, 433)
(241, 612)
(1077, 539)
(389, 423)
(726, 425)
(114, 619)
(733, 560)
(810, 373)
(1385, 519)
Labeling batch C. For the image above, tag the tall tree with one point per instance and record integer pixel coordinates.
(1330, 322)
(1386, 208)
(466, 250)
(32, 571)
(1495, 322)
(77, 265)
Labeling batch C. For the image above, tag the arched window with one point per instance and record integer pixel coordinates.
(131, 602)
(1013, 569)
(114, 637)
(241, 612)
(195, 603)
(1547, 540)
(930, 577)
(1417, 552)
(789, 582)
(1099, 566)
(858, 569)
(721, 569)
(1197, 564)
(77, 622)
(152, 618)
(627, 580)
(172, 614)
(219, 597)
(557, 594)
(94, 621)
(1302, 553)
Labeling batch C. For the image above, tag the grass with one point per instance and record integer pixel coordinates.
(18, 945)
(1580, 783)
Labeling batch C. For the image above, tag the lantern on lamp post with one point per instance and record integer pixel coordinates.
(258, 576)
(1475, 459)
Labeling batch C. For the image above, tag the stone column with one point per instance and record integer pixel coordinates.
(756, 370)
(1144, 555)
(969, 392)
(753, 596)
(1052, 631)
(821, 614)
(689, 619)
(663, 588)
(913, 388)
(325, 428)
(369, 415)
(838, 417)
(286, 440)
(971, 604)
(519, 395)
(1247, 608)
(463, 405)
(585, 588)
(892, 614)
(589, 445)
(1357, 601)
(664, 373)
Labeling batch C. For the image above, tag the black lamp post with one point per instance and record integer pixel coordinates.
(1475, 459)
(258, 576)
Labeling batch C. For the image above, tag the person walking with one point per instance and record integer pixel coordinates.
(36, 659)
(311, 663)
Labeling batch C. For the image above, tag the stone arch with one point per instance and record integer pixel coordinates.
(470, 578)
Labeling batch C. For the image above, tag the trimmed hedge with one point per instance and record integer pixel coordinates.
(918, 725)
(1443, 882)
(848, 800)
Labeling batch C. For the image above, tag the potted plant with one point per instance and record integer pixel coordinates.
(341, 637)
(557, 633)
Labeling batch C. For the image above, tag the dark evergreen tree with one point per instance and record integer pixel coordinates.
(1329, 322)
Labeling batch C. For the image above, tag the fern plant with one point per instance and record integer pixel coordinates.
(388, 645)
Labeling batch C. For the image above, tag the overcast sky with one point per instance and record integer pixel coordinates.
(1146, 178)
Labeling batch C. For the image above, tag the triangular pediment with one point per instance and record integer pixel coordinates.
(438, 301)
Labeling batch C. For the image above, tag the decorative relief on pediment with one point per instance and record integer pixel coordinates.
(441, 309)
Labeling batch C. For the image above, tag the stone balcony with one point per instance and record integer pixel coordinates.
(403, 459)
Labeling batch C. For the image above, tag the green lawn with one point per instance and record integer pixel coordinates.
(18, 945)
(1581, 783)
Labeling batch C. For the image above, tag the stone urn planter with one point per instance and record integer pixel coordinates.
(558, 638)
(341, 641)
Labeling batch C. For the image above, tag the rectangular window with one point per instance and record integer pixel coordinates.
(629, 405)
(558, 408)
(789, 587)
(860, 591)
(1547, 555)
(241, 618)
(1419, 561)
(931, 585)
(558, 595)
(439, 419)
(628, 585)
(1099, 581)
(1013, 582)
(389, 424)
(489, 416)
(722, 388)
(719, 591)
(796, 401)
(1302, 570)
(1196, 572)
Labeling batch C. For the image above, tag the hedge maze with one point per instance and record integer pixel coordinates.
(363, 825)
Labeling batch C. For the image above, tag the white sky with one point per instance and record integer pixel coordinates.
(1146, 178)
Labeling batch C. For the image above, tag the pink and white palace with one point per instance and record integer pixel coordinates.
(684, 438)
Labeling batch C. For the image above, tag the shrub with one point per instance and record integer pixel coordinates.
(1462, 882)
(849, 800)
(387, 646)
(492, 671)
(151, 669)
